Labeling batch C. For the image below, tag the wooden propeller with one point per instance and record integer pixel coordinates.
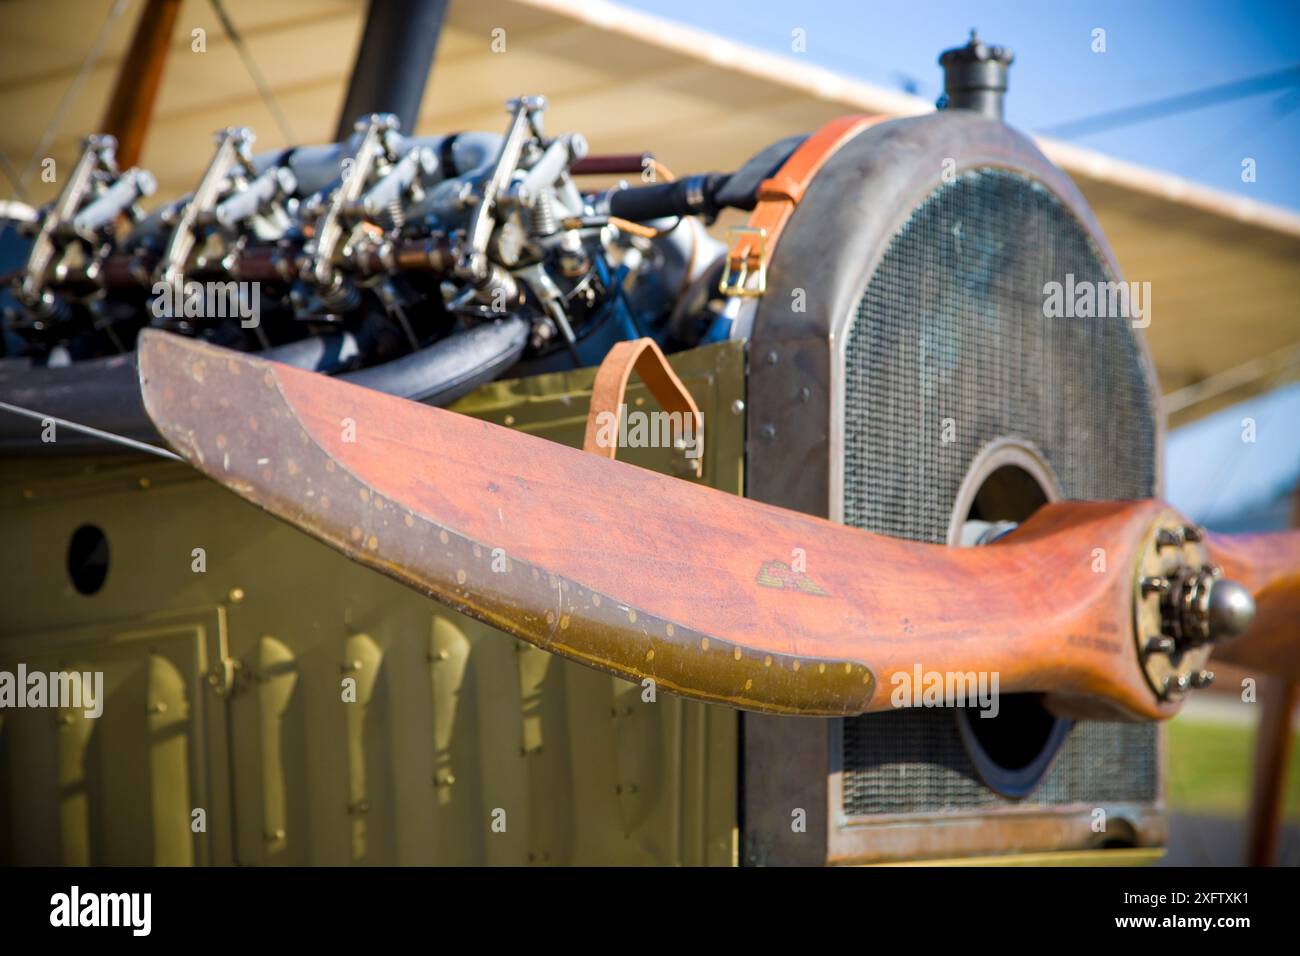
(656, 578)
(1267, 565)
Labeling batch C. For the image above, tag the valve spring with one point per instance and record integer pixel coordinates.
(395, 215)
(541, 218)
(344, 297)
(50, 308)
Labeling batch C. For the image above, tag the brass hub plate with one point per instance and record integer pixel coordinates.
(1168, 672)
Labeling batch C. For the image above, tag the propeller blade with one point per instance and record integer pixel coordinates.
(650, 577)
(1268, 565)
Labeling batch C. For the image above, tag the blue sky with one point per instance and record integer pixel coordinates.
(1154, 49)
(1212, 473)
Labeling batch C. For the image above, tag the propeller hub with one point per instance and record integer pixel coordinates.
(1183, 606)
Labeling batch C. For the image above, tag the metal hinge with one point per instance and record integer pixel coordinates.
(227, 677)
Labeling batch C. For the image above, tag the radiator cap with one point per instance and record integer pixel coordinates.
(975, 77)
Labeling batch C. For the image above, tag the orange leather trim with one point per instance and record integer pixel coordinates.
(778, 195)
(607, 394)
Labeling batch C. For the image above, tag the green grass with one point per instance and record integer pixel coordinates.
(1211, 769)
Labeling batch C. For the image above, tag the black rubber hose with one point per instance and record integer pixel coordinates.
(451, 367)
(693, 196)
(326, 353)
(104, 393)
(317, 353)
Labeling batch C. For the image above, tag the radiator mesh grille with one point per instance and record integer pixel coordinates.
(949, 349)
(913, 762)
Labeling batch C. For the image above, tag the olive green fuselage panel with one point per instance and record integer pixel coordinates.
(266, 701)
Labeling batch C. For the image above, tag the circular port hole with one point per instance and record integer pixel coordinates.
(88, 559)
(1012, 749)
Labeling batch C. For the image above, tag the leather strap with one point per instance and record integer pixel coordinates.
(610, 388)
(778, 196)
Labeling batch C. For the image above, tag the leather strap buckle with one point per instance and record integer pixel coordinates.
(745, 270)
(746, 258)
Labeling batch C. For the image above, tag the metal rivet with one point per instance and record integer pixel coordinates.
(1160, 645)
